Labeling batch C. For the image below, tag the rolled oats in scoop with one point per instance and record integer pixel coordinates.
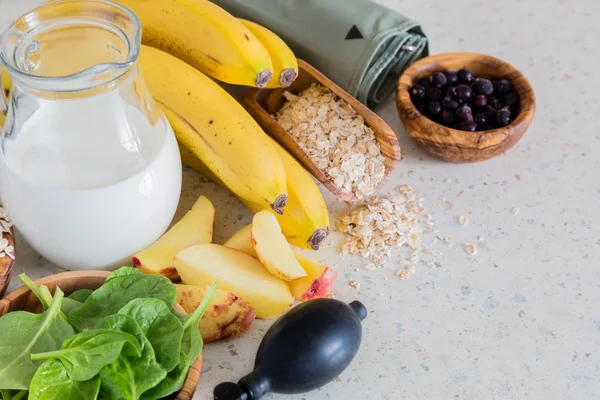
(336, 138)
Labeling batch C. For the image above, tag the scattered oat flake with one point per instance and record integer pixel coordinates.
(380, 226)
(404, 274)
(448, 180)
(463, 220)
(430, 264)
(354, 284)
(469, 248)
(515, 210)
(336, 138)
(329, 296)
(521, 313)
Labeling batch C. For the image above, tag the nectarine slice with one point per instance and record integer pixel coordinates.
(272, 248)
(316, 284)
(196, 227)
(237, 272)
(227, 314)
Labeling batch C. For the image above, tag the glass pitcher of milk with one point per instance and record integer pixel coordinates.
(89, 167)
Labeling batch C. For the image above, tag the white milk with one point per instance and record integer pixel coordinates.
(89, 182)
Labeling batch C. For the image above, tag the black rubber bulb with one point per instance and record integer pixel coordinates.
(305, 349)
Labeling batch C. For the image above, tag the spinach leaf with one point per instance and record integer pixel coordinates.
(192, 342)
(128, 377)
(31, 285)
(80, 295)
(51, 381)
(45, 297)
(69, 305)
(163, 329)
(23, 333)
(173, 382)
(116, 293)
(85, 354)
(123, 271)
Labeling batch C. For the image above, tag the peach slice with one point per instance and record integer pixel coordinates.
(316, 284)
(196, 227)
(272, 248)
(237, 272)
(227, 315)
(319, 280)
(242, 241)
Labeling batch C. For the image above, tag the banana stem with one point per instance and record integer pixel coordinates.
(263, 77)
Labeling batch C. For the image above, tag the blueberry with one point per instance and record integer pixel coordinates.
(434, 109)
(451, 76)
(462, 93)
(468, 126)
(502, 86)
(422, 107)
(483, 86)
(417, 92)
(490, 113)
(433, 94)
(479, 102)
(425, 82)
(494, 102)
(510, 99)
(502, 117)
(464, 113)
(449, 104)
(480, 120)
(439, 79)
(465, 75)
(448, 118)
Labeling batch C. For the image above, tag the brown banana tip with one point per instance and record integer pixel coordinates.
(263, 77)
(287, 77)
(279, 203)
(316, 239)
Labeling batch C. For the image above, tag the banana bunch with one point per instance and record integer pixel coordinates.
(305, 220)
(217, 129)
(213, 41)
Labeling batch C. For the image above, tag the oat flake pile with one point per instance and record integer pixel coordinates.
(336, 138)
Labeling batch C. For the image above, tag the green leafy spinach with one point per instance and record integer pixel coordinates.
(51, 381)
(86, 353)
(116, 293)
(161, 327)
(23, 333)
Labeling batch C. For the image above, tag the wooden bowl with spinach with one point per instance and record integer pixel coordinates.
(96, 334)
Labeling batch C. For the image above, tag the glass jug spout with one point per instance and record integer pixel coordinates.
(71, 45)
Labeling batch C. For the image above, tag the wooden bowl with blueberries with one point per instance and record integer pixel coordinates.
(465, 107)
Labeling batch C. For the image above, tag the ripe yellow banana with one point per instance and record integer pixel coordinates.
(216, 128)
(285, 64)
(305, 220)
(205, 36)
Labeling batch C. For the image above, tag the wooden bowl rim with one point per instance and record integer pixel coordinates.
(430, 64)
(7, 263)
(193, 376)
(383, 131)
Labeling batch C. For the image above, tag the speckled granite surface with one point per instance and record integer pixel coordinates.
(520, 319)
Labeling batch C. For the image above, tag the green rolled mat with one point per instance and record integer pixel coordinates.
(360, 45)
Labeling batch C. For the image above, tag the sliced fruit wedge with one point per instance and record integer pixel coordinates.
(272, 248)
(237, 272)
(196, 227)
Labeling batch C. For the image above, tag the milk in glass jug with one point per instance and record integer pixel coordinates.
(89, 167)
